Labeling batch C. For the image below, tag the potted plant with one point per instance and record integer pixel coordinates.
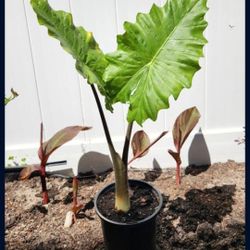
(156, 58)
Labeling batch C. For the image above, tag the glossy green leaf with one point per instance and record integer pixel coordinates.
(60, 138)
(90, 60)
(183, 126)
(157, 57)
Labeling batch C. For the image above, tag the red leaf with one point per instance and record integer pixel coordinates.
(140, 154)
(28, 170)
(183, 126)
(60, 138)
(175, 155)
(139, 143)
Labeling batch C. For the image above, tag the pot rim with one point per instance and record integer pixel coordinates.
(157, 209)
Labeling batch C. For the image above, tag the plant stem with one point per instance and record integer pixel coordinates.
(178, 174)
(126, 144)
(104, 122)
(75, 189)
(42, 170)
(41, 135)
(44, 187)
(122, 201)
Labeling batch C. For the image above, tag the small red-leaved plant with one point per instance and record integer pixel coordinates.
(45, 150)
(183, 126)
(141, 144)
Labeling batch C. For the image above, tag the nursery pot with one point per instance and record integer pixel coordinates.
(139, 235)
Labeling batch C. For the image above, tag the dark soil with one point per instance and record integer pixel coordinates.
(199, 218)
(195, 170)
(206, 211)
(208, 205)
(143, 203)
(152, 175)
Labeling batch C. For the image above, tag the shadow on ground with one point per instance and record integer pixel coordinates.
(152, 175)
(198, 155)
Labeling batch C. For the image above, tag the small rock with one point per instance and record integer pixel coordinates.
(69, 220)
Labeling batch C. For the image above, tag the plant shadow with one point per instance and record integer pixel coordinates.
(95, 162)
(152, 175)
(198, 155)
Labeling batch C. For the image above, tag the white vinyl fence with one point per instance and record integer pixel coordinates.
(50, 89)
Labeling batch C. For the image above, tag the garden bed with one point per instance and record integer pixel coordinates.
(206, 212)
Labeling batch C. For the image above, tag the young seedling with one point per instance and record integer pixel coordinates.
(71, 215)
(13, 95)
(183, 126)
(156, 58)
(44, 152)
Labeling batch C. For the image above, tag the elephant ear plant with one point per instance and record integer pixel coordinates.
(44, 152)
(156, 58)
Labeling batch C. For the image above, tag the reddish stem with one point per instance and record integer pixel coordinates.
(75, 189)
(178, 174)
(44, 187)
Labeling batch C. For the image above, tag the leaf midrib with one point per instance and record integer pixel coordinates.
(169, 36)
(149, 64)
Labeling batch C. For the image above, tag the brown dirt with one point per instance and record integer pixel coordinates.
(205, 212)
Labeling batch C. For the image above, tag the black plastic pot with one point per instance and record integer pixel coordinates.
(124, 236)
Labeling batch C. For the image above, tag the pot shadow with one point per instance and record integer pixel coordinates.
(152, 175)
(198, 155)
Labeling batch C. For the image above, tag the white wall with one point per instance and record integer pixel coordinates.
(51, 90)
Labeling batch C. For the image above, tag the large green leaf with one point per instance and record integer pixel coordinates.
(157, 57)
(90, 60)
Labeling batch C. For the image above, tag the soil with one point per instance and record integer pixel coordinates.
(207, 211)
(143, 203)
